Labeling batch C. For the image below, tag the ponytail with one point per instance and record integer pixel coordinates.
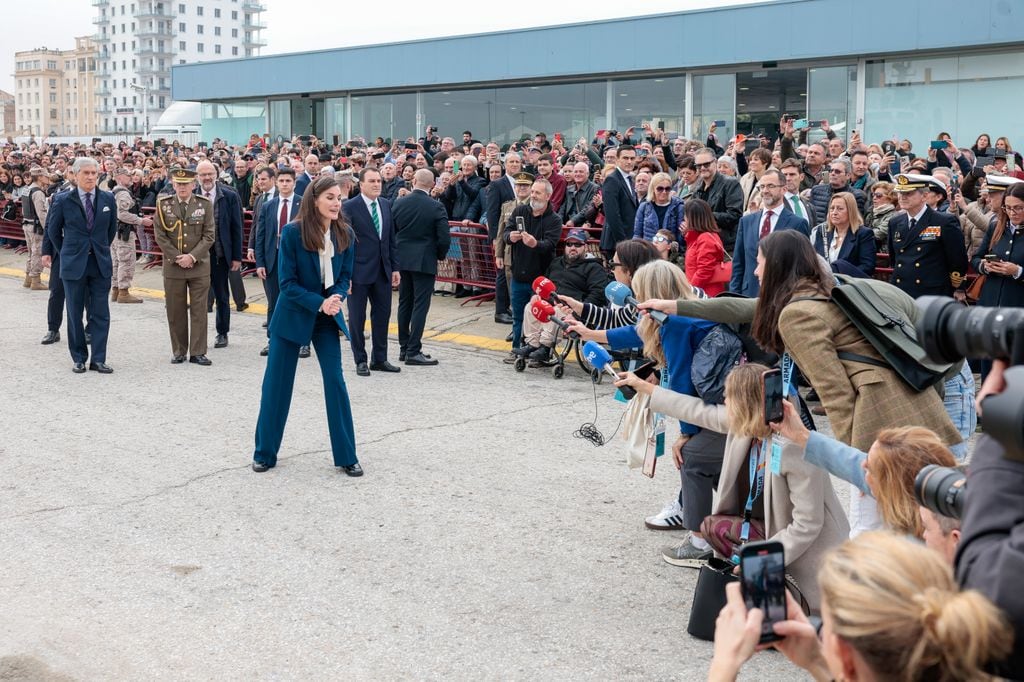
(897, 604)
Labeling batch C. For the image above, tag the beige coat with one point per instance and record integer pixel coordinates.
(801, 508)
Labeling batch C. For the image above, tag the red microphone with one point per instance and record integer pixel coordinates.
(544, 312)
(545, 289)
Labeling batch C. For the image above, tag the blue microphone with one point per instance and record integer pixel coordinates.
(619, 294)
(600, 358)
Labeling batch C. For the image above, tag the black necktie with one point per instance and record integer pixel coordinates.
(913, 224)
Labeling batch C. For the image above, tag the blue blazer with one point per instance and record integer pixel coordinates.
(744, 257)
(71, 239)
(266, 231)
(373, 254)
(301, 291)
(301, 182)
(229, 221)
(858, 249)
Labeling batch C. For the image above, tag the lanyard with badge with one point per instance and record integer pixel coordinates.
(757, 462)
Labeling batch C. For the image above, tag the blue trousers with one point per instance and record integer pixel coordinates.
(959, 402)
(279, 382)
(522, 292)
(91, 289)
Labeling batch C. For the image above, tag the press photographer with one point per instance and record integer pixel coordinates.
(990, 558)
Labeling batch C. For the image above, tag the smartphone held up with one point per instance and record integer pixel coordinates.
(763, 576)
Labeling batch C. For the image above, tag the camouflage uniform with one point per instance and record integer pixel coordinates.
(122, 249)
(34, 201)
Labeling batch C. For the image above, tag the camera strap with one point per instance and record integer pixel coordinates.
(756, 469)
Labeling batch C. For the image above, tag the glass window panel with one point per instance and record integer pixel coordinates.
(713, 100)
(910, 98)
(335, 118)
(281, 119)
(650, 100)
(387, 116)
(990, 98)
(233, 122)
(833, 97)
(505, 115)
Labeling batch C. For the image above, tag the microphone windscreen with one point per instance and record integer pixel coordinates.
(539, 312)
(617, 292)
(538, 282)
(546, 290)
(596, 355)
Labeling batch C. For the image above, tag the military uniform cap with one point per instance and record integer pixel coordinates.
(909, 182)
(1000, 183)
(523, 178)
(183, 175)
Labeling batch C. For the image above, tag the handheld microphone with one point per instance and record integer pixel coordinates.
(601, 359)
(619, 294)
(545, 312)
(545, 289)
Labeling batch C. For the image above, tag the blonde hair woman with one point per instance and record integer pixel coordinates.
(698, 452)
(660, 211)
(790, 499)
(843, 240)
(890, 611)
(886, 471)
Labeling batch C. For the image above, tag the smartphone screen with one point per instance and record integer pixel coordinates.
(763, 567)
(772, 382)
(939, 144)
(520, 223)
(800, 124)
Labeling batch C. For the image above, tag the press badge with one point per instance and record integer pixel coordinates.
(775, 464)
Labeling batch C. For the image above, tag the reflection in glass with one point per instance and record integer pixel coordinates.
(713, 99)
(388, 116)
(281, 119)
(650, 100)
(234, 122)
(833, 97)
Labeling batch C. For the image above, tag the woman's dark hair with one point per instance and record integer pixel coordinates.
(309, 220)
(1016, 190)
(790, 264)
(699, 216)
(633, 253)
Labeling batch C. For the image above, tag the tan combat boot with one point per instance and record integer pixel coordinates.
(28, 281)
(114, 292)
(37, 284)
(124, 297)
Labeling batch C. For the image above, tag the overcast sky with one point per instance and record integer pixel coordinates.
(300, 25)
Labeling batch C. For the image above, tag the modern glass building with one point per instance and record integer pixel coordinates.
(907, 69)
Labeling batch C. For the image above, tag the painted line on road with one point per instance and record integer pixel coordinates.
(472, 340)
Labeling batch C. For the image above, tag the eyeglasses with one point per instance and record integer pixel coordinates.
(662, 189)
(659, 239)
(573, 245)
(769, 185)
(878, 195)
(836, 170)
(1013, 209)
(706, 164)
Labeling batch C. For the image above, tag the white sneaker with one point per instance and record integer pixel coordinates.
(670, 518)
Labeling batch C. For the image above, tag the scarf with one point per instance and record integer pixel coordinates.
(326, 254)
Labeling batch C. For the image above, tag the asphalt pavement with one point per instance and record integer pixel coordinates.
(484, 541)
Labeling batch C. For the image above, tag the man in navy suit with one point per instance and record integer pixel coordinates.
(374, 274)
(422, 239)
(226, 254)
(620, 201)
(81, 226)
(312, 169)
(498, 193)
(274, 215)
(774, 215)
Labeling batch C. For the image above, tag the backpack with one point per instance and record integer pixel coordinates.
(10, 211)
(718, 352)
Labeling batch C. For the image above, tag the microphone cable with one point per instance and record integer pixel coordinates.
(589, 431)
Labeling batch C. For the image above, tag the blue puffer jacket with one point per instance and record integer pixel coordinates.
(646, 225)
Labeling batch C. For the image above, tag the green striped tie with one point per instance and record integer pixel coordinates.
(375, 216)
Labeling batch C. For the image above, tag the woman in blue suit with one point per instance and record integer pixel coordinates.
(843, 240)
(314, 268)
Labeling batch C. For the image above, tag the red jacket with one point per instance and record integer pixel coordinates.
(704, 253)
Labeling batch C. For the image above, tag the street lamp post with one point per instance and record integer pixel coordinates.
(144, 90)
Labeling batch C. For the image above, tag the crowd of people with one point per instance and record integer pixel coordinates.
(745, 238)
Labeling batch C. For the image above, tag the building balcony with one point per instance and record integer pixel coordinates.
(104, 109)
(154, 13)
(102, 91)
(154, 33)
(100, 38)
(253, 43)
(252, 25)
(100, 3)
(153, 71)
(101, 20)
(253, 6)
(158, 52)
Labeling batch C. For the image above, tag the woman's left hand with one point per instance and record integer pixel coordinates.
(634, 382)
(737, 632)
(792, 427)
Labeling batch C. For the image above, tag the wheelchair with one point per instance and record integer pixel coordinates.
(565, 346)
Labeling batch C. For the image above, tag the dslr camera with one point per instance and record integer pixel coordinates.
(949, 332)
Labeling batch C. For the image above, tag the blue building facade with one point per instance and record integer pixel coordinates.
(886, 69)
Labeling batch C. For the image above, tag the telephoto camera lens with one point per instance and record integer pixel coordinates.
(941, 489)
(949, 331)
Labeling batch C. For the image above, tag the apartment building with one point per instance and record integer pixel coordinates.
(55, 90)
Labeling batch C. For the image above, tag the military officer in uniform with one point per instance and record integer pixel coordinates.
(927, 247)
(184, 231)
